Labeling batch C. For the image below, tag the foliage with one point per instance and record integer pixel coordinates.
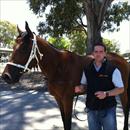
(59, 43)
(111, 46)
(60, 19)
(74, 43)
(78, 42)
(7, 32)
(115, 15)
(67, 15)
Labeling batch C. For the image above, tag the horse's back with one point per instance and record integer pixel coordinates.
(121, 64)
(124, 67)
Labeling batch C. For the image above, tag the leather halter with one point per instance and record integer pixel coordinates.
(33, 55)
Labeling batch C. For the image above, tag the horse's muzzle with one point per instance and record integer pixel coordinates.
(7, 78)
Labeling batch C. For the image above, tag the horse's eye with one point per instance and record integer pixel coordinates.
(18, 40)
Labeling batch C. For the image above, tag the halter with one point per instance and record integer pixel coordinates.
(33, 55)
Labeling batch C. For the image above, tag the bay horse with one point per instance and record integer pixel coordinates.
(63, 70)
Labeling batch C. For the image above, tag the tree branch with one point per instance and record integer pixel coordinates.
(81, 22)
(103, 9)
(79, 27)
(89, 8)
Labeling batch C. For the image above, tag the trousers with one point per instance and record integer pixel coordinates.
(102, 119)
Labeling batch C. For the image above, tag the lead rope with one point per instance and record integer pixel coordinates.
(77, 96)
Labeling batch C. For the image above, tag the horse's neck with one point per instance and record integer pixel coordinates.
(49, 58)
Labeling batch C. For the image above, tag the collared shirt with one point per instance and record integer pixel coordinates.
(116, 78)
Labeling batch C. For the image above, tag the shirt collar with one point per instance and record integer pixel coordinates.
(98, 67)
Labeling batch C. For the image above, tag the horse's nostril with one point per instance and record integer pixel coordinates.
(6, 77)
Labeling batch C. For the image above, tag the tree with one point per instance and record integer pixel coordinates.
(67, 15)
(76, 43)
(7, 32)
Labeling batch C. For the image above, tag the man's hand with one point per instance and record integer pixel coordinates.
(80, 89)
(100, 94)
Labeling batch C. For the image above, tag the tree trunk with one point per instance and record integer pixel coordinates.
(94, 34)
(95, 11)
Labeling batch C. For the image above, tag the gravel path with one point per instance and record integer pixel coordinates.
(27, 105)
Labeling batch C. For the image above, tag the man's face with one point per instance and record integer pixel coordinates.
(99, 53)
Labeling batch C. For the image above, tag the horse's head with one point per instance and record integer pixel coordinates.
(22, 58)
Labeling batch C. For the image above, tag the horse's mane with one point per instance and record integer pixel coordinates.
(60, 50)
(52, 46)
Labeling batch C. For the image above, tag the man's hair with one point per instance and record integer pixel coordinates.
(99, 44)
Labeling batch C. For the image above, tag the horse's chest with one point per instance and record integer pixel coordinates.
(59, 89)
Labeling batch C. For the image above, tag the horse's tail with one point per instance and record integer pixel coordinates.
(128, 91)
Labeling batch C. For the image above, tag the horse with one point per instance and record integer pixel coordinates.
(63, 70)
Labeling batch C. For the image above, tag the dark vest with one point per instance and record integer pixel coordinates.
(99, 81)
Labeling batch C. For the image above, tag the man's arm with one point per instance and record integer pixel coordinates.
(81, 88)
(114, 92)
(119, 86)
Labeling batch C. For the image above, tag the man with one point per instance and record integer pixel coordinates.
(103, 82)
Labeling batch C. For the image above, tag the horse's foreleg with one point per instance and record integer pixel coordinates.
(60, 104)
(67, 103)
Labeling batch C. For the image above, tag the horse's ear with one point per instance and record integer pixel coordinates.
(28, 29)
(19, 30)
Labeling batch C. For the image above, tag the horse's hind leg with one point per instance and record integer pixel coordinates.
(127, 109)
(126, 114)
(124, 102)
(128, 92)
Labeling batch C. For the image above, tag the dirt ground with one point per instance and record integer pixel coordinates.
(28, 81)
(27, 105)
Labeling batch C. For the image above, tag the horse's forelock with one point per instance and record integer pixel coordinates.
(19, 39)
